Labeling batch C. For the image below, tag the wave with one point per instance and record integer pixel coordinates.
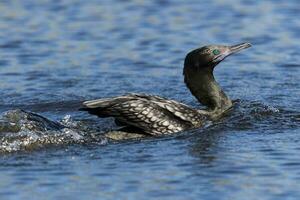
(24, 130)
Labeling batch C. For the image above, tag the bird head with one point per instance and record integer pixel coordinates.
(211, 55)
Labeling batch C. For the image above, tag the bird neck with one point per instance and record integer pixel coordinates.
(205, 88)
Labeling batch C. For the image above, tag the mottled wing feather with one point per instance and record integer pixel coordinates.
(180, 110)
(152, 114)
(149, 117)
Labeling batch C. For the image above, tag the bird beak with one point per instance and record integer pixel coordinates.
(231, 50)
(236, 48)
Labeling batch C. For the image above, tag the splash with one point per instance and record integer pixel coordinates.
(22, 130)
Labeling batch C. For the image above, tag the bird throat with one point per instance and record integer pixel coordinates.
(205, 88)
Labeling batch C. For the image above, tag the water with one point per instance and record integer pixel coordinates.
(55, 54)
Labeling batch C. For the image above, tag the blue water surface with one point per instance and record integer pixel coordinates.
(55, 54)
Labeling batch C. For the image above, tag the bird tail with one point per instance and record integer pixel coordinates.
(98, 106)
(104, 103)
(101, 107)
(99, 103)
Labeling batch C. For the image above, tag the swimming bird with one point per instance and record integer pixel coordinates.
(154, 115)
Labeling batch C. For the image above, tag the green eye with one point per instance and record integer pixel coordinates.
(216, 52)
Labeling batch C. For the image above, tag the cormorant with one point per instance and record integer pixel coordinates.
(154, 115)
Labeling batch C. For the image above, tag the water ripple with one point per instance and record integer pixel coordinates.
(56, 54)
